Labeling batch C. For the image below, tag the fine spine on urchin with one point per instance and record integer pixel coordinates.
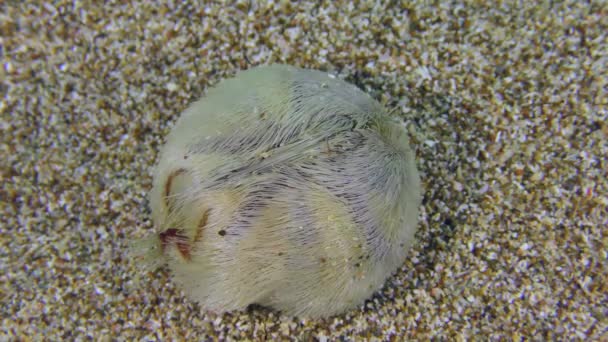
(287, 188)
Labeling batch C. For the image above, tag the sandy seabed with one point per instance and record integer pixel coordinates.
(506, 105)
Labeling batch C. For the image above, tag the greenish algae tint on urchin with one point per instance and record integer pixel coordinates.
(286, 188)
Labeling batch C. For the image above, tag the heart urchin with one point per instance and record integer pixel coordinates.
(286, 188)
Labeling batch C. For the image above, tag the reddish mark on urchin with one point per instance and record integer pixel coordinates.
(201, 225)
(176, 236)
(170, 181)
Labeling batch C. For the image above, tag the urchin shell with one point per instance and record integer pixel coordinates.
(287, 188)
